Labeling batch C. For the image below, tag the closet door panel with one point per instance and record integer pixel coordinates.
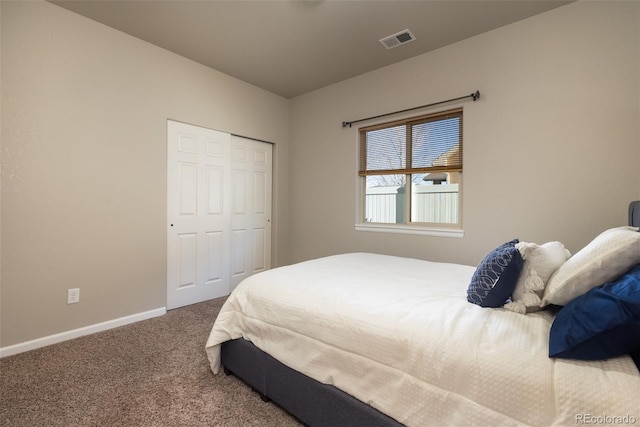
(198, 174)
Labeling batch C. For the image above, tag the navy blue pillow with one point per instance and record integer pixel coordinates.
(603, 323)
(495, 278)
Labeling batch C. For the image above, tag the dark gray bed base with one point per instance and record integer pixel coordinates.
(634, 213)
(311, 402)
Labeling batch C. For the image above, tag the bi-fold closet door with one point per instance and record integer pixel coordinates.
(218, 212)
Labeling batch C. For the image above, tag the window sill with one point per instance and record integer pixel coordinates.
(411, 229)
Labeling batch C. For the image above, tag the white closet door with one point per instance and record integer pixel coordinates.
(198, 206)
(251, 174)
(218, 211)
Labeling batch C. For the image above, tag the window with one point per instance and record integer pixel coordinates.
(410, 173)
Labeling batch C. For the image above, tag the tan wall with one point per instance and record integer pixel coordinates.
(551, 151)
(84, 110)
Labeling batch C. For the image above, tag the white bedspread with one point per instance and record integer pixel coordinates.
(399, 335)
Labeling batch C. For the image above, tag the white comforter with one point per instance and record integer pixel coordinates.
(399, 335)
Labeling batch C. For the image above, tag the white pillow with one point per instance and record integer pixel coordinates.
(607, 257)
(540, 262)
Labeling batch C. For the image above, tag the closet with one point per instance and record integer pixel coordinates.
(218, 212)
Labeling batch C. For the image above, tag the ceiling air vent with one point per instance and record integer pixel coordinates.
(397, 39)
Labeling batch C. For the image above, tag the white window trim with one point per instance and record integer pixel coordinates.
(410, 229)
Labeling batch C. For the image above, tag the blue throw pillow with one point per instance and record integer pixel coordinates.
(603, 323)
(495, 278)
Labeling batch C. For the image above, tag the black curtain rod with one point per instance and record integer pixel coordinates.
(475, 96)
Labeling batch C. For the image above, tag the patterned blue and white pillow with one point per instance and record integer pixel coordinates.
(495, 278)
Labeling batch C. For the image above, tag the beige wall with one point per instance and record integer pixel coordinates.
(84, 110)
(551, 151)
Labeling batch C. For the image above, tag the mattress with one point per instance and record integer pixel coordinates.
(398, 334)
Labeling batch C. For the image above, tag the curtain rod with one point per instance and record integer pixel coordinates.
(475, 96)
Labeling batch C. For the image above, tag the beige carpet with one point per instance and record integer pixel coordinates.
(150, 373)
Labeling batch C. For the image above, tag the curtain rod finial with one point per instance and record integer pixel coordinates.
(345, 124)
(476, 95)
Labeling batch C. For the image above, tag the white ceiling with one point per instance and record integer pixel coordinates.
(291, 47)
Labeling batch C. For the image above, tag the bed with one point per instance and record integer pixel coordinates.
(363, 339)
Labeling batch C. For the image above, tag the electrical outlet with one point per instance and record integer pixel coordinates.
(73, 295)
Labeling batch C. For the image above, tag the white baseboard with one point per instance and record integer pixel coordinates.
(75, 333)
